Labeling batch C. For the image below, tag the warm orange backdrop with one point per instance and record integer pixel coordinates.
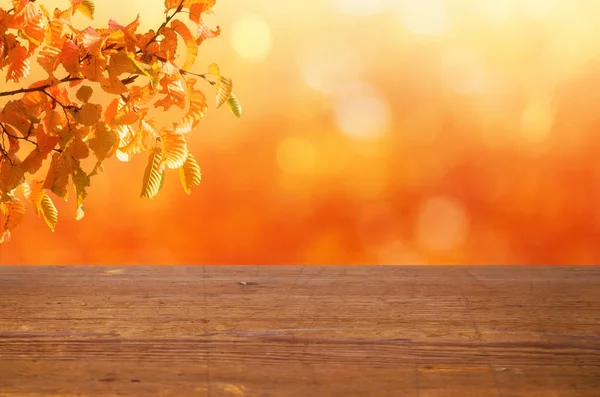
(374, 132)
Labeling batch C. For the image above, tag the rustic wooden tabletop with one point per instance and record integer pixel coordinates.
(300, 331)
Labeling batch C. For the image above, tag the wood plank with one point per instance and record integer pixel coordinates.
(300, 331)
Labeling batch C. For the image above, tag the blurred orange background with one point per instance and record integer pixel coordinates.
(374, 132)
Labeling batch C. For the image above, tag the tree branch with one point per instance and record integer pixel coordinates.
(40, 88)
(67, 79)
(22, 138)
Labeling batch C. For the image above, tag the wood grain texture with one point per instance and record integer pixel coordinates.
(300, 331)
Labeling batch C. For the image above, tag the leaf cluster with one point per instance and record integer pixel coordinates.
(50, 127)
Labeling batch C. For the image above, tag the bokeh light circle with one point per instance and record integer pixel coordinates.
(362, 112)
(251, 38)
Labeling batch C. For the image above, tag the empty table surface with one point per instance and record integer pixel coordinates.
(300, 331)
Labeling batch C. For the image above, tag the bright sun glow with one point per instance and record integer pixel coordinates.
(251, 38)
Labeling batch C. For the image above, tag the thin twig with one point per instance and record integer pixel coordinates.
(177, 11)
(202, 76)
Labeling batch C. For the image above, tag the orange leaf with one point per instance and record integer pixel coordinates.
(175, 93)
(190, 43)
(200, 7)
(69, 57)
(93, 67)
(13, 214)
(57, 178)
(104, 141)
(84, 93)
(19, 66)
(11, 173)
(90, 114)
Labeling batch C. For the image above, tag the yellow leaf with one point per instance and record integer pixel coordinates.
(84, 93)
(136, 141)
(81, 181)
(13, 214)
(197, 109)
(175, 149)
(234, 105)
(87, 8)
(48, 210)
(36, 192)
(154, 174)
(190, 174)
(224, 85)
(90, 114)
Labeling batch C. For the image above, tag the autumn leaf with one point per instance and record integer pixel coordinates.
(81, 181)
(86, 7)
(196, 109)
(223, 85)
(90, 114)
(190, 174)
(11, 173)
(175, 93)
(13, 214)
(234, 105)
(14, 113)
(175, 149)
(42, 203)
(84, 93)
(94, 67)
(19, 66)
(154, 174)
(204, 33)
(45, 143)
(48, 210)
(57, 178)
(104, 141)
(200, 7)
(79, 150)
(49, 58)
(135, 142)
(190, 43)
(69, 58)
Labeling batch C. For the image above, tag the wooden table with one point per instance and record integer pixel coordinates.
(300, 331)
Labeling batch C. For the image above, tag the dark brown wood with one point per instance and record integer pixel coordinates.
(300, 331)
